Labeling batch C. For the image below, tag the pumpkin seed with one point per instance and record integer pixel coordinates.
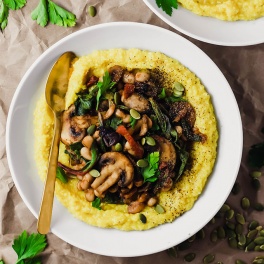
(159, 209)
(143, 141)
(240, 219)
(221, 232)
(259, 240)
(135, 114)
(258, 207)
(259, 257)
(229, 214)
(261, 232)
(258, 261)
(178, 87)
(257, 248)
(239, 261)
(142, 163)
(173, 252)
(212, 220)
(189, 257)
(224, 208)
(200, 234)
(214, 236)
(184, 245)
(143, 218)
(252, 234)
(192, 238)
(259, 228)
(230, 233)
(150, 141)
(92, 11)
(230, 225)
(117, 98)
(94, 173)
(255, 174)
(261, 247)
(250, 246)
(118, 147)
(177, 93)
(232, 242)
(241, 239)
(239, 229)
(173, 133)
(255, 184)
(236, 188)
(253, 225)
(245, 203)
(91, 129)
(208, 258)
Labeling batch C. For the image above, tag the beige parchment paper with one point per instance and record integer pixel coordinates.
(23, 41)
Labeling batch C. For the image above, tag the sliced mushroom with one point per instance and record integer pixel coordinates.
(137, 102)
(115, 167)
(71, 132)
(116, 73)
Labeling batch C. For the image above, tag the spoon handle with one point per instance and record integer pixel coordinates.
(48, 194)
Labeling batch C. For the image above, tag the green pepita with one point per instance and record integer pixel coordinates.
(94, 173)
(92, 11)
(252, 234)
(255, 184)
(232, 242)
(224, 208)
(257, 248)
(230, 225)
(192, 238)
(208, 258)
(184, 245)
(239, 229)
(253, 225)
(91, 129)
(134, 113)
(255, 174)
(221, 232)
(150, 141)
(236, 188)
(230, 233)
(214, 236)
(229, 214)
(178, 87)
(240, 219)
(245, 203)
(143, 218)
(258, 207)
(189, 257)
(159, 209)
(117, 98)
(259, 240)
(142, 163)
(241, 239)
(239, 261)
(200, 234)
(173, 252)
(118, 147)
(250, 247)
(258, 261)
(143, 141)
(177, 93)
(261, 232)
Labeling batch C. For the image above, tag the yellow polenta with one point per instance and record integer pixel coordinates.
(183, 195)
(230, 10)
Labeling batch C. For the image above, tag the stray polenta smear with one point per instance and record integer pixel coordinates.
(185, 190)
(230, 10)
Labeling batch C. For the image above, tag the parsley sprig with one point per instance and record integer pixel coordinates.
(49, 11)
(28, 247)
(151, 172)
(167, 5)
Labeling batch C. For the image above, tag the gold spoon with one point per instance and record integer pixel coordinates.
(56, 88)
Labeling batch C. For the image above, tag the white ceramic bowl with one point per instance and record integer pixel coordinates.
(109, 241)
(212, 30)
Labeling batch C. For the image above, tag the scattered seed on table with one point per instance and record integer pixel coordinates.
(255, 174)
(214, 236)
(200, 234)
(258, 207)
(189, 257)
(239, 229)
(259, 240)
(229, 214)
(236, 188)
(255, 184)
(232, 242)
(240, 219)
(261, 232)
(221, 232)
(92, 11)
(224, 208)
(241, 240)
(252, 234)
(253, 225)
(250, 246)
(239, 261)
(245, 203)
(208, 258)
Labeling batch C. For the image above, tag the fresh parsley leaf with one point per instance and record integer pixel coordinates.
(97, 203)
(40, 13)
(133, 121)
(4, 10)
(61, 175)
(103, 86)
(167, 5)
(256, 155)
(151, 172)
(28, 246)
(59, 16)
(15, 4)
(162, 94)
(2, 262)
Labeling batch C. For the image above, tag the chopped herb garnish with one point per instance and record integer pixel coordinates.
(103, 86)
(4, 10)
(97, 203)
(61, 175)
(167, 5)
(133, 121)
(15, 4)
(151, 172)
(162, 94)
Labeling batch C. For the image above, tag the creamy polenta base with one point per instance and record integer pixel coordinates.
(230, 10)
(185, 192)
